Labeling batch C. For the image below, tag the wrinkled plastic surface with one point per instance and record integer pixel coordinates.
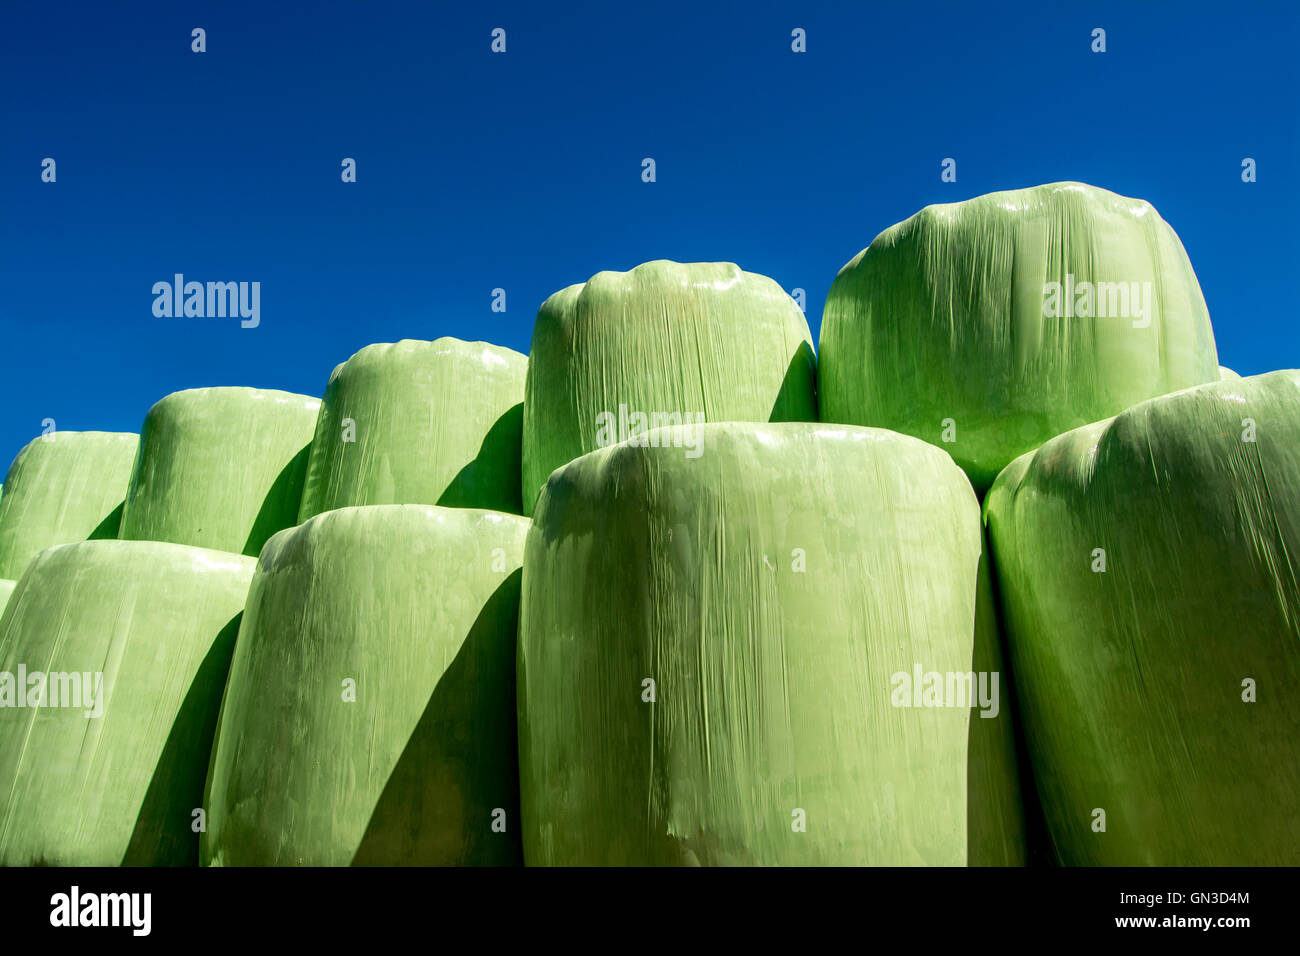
(665, 338)
(63, 487)
(937, 329)
(413, 422)
(6, 589)
(1131, 678)
(418, 606)
(159, 622)
(770, 588)
(220, 468)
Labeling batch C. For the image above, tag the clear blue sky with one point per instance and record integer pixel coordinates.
(522, 170)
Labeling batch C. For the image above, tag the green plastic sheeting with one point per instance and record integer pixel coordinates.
(938, 328)
(142, 632)
(220, 468)
(1227, 373)
(369, 717)
(624, 351)
(709, 649)
(433, 423)
(63, 487)
(1147, 566)
(6, 589)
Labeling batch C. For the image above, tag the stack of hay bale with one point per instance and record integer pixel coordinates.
(673, 589)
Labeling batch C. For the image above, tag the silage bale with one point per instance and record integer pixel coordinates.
(710, 650)
(420, 423)
(63, 487)
(370, 713)
(148, 628)
(220, 468)
(1226, 373)
(6, 589)
(665, 339)
(938, 328)
(1147, 568)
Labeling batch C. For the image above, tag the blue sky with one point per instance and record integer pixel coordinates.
(522, 171)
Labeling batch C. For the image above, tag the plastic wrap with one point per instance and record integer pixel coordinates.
(63, 487)
(6, 589)
(420, 423)
(702, 341)
(1147, 569)
(220, 468)
(143, 632)
(1226, 373)
(370, 717)
(947, 326)
(709, 649)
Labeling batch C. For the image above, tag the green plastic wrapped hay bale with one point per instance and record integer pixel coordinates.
(732, 658)
(63, 487)
(420, 423)
(992, 325)
(1147, 568)
(662, 344)
(220, 468)
(6, 589)
(113, 657)
(369, 717)
(1226, 373)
